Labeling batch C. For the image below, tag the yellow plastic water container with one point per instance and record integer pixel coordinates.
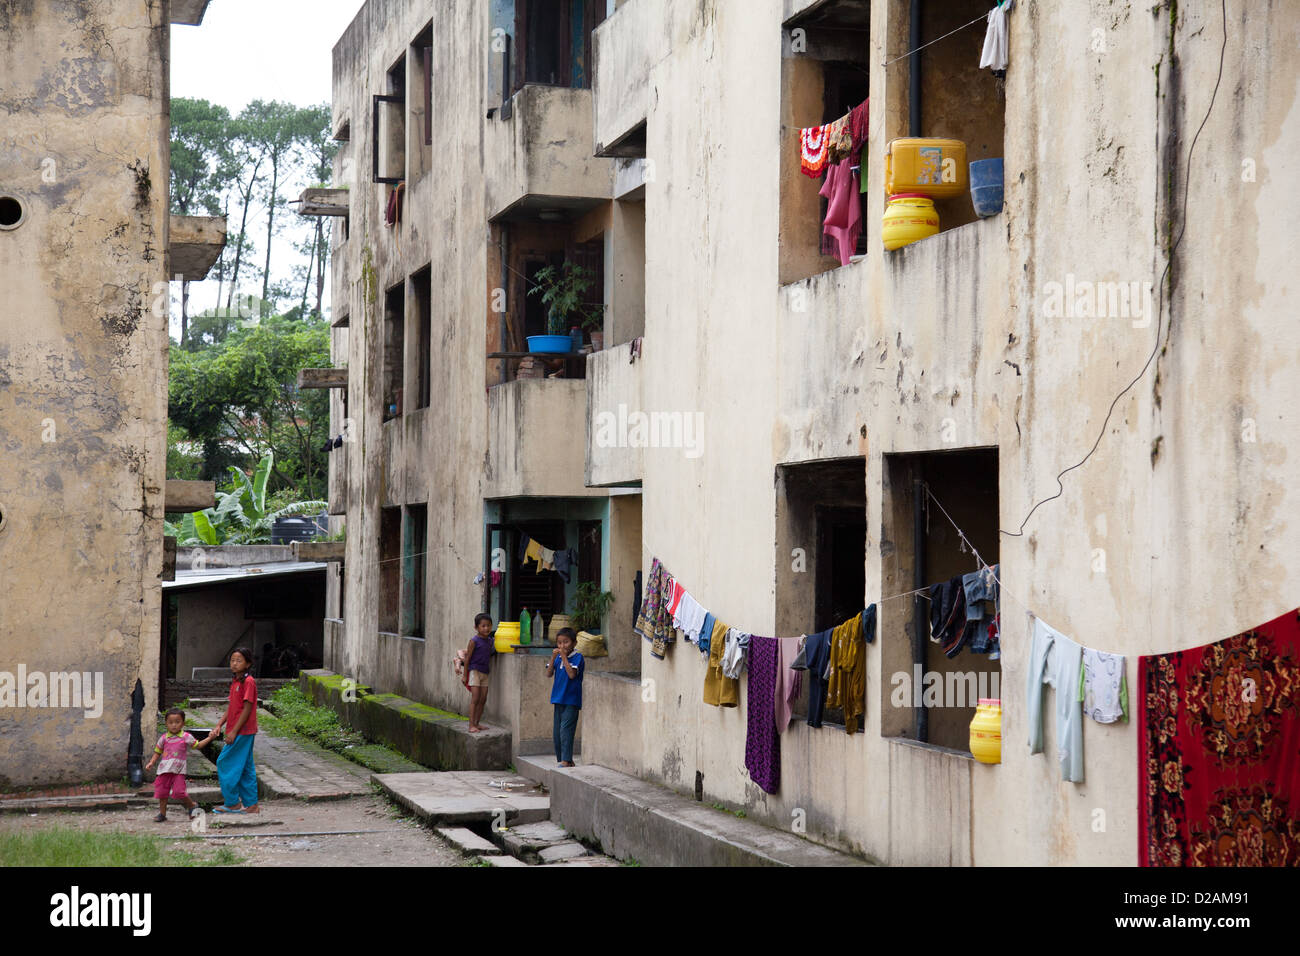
(932, 167)
(986, 731)
(507, 635)
(908, 217)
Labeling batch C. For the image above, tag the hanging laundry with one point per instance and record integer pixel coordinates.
(858, 127)
(655, 623)
(566, 559)
(1103, 686)
(847, 684)
(788, 680)
(948, 615)
(1218, 761)
(706, 633)
(675, 592)
(533, 553)
(634, 352)
(994, 54)
(980, 589)
(843, 223)
(719, 689)
(839, 140)
(762, 742)
(817, 654)
(689, 617)
(812, 150)
(1055, 659)
(524, 541)
(546, 560)
(497, 578)
(733, 655)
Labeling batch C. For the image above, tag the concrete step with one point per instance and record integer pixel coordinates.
(467, 796)
(633, 818)
(468, 842)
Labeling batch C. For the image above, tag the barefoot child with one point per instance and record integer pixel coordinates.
(479, 654)
(173, 748)
(235, 768)
(566, 693)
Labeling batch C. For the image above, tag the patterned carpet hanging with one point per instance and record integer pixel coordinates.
(1219, 751)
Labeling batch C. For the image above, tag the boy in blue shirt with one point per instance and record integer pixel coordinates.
(566, 693)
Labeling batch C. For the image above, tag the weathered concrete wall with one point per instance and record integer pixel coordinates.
(537, 439)
(948, 344)
(83, 365)
(614, 455)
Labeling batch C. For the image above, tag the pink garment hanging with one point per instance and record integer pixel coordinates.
(788, 681)
(843, 222)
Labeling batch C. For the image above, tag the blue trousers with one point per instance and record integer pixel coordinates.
(237, 773)
(565, 726)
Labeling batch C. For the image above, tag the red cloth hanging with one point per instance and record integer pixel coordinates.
(1219, 751)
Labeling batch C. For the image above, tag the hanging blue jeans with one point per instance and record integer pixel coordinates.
(237, 773)
(565, 726)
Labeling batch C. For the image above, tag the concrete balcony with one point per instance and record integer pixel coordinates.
(540, 161)
(614, 393)
(626, 47)
(188, 12)
(536, 437)
(194, 245)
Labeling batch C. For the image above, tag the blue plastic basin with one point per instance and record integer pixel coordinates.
(986, 186)
(553, 344)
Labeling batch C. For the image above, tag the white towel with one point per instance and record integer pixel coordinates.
(995, 39)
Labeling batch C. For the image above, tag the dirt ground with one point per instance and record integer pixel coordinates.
(392, 839)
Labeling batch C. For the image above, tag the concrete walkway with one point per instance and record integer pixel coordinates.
(468, 796)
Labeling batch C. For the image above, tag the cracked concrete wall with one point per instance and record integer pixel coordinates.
(1193, 493)
(83, 371)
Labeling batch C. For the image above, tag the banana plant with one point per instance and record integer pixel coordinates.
(240, 516)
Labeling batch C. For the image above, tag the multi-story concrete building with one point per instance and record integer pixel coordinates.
(839, 435)
(86, 251)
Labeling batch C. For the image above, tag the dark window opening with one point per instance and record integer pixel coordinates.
(389, 128)
(394, 349)
(390, 568)
(921, 546)
(553, 41)
(414, 546)
(820, 550)
(421, 285)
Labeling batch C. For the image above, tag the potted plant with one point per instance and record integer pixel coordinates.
(561, 290)
(589, 607)
(594, 323)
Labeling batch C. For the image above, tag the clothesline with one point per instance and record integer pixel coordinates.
(982, 16)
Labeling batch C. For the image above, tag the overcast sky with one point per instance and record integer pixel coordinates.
(260, 49)
(257, 49)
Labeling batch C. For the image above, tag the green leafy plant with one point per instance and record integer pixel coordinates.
(241, 515)
(589, 606)
(562, 291)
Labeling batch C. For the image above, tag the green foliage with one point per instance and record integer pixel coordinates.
(589, 606)
(241, 515)
(240, 394)
(562, 291)
(296, 715)
(200, 149)
(68, 846)
(182, 461)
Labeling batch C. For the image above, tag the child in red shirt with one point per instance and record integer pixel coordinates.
(236, 771)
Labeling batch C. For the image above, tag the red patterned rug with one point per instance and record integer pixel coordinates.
(1219, 751)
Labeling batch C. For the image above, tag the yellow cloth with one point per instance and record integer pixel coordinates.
(847, 687)
(719, 690)
(534, 553)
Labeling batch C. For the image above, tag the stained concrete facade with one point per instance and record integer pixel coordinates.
(1185, 512)
(83, 370)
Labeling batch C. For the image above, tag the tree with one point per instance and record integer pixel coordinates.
(320, 148)
(243, 175)
(200, 147)
(242, 391)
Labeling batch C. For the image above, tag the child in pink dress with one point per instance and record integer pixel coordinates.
(173, 750)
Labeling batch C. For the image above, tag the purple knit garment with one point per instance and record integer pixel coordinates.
(762, 743)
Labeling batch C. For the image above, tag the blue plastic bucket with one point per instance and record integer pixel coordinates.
(551, 344)
(986, 186)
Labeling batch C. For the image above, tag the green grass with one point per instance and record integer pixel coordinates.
(63, 846)
(296, 716)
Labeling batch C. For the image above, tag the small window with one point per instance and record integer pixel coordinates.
(414, 537)
(390, 568)
(553, 45)
(389, 128)
(394, 349)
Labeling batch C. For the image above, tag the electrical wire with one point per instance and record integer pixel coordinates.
(1155, 347)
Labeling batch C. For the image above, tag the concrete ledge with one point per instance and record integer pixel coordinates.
(636, 819)
(428, 736)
